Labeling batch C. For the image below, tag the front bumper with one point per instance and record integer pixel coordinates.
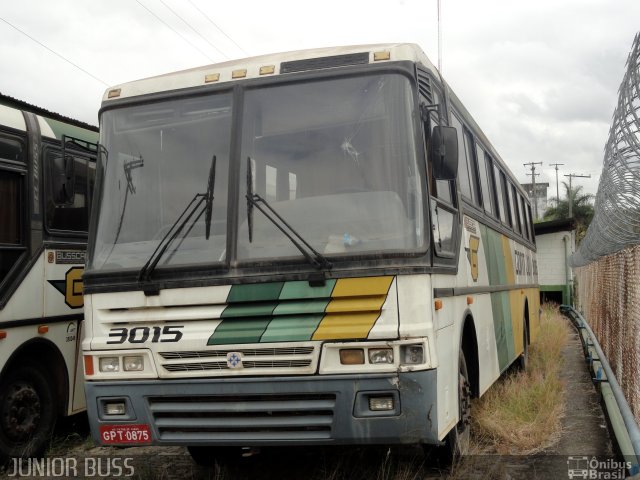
(272, 411)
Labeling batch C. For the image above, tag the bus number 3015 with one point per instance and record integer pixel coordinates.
(141, 334)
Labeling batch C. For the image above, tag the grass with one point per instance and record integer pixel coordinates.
(521, 413)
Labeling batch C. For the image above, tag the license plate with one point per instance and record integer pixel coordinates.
(125, 434)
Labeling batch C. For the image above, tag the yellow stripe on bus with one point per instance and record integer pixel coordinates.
(354, 308)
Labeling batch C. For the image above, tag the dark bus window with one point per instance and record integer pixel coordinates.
(527, 210)
(70, 216)
(443, 188)
(484, 179)
(505, 199)
(513, 201)
(11, 241)
(11, 148)
(472, 165)
(499, 195)
(463, 162)
(523, 218)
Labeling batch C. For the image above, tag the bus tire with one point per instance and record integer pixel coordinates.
(459, 438)
(27, 413)
(523, 359)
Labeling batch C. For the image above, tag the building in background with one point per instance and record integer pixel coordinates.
(538, 198)
(555, 243)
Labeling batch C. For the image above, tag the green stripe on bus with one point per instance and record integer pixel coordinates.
(260, 309)
(502, 327)
(245, 331)
(492, 242)
(294, 307)
(292, 328)
(302, 289)
(255, 292)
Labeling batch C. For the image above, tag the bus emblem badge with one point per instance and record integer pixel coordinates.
(234, 360)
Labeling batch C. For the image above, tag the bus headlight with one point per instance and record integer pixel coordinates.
(380, 355)
(109, 364)
(412, 354)
(133, 364)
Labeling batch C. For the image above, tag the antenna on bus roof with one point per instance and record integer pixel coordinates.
(439, 41)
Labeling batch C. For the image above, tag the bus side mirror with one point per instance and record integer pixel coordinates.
(443, 153)
(63, 177)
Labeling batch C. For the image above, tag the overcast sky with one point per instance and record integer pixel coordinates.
(540, 77)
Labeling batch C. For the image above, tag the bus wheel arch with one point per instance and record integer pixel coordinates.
(469, 346)
(33, 393)
(457, 441)
(45, 356)
(523, 359)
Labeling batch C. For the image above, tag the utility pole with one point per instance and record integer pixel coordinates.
(557, 185)
(571, 176)
(533, 186)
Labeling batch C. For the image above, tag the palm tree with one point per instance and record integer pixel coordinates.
(580, 204)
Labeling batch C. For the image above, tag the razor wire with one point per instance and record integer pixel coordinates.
(616, 221)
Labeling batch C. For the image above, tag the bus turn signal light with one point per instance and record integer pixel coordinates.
(42, 329)
(88, 365)
(438, 304)
(352, 356)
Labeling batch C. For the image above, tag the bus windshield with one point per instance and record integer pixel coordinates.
(335, 158)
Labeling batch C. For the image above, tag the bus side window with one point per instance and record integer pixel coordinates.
(74, 215)
(464, 178)
(500, 203)
(513, 202)
(443, 188)
(485, 180)
(527, 210)
(523, 220)
(504, 187)
(442, 219)
(472, 165)
(12, 202)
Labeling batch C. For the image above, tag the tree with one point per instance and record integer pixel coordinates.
(581, 206)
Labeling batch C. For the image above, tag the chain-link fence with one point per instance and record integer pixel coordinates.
(616, 223)
(608, 294)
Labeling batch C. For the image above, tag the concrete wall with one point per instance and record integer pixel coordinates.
(554, 273)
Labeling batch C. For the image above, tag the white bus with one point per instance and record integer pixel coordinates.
(311, 248)
(47, 171)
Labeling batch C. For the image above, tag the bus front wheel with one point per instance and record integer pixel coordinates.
(27, 413)
(459, 438)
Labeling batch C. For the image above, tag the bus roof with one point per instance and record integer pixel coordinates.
(267, 65)
(52, 125)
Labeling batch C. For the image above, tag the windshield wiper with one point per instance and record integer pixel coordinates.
(315, 258)
(183, 219)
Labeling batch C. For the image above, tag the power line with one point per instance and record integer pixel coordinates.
(176, 32)
(54, 52)
(194, 30)
(218, 28)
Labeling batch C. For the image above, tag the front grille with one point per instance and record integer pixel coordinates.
(244, 351)
(224, 418)
(255, 361)
(203, 366)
